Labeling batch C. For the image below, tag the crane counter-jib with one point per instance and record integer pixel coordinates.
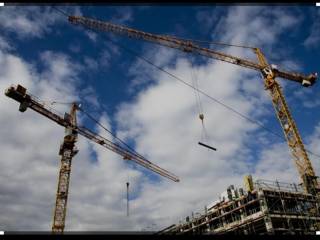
(19, 94)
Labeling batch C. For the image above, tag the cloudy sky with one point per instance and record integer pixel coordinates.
(150, 110)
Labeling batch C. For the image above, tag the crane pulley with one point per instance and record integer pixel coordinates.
(269, 73)
(204, 134)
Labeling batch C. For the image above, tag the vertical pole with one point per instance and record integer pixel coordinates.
(67, 151)
(127, 199)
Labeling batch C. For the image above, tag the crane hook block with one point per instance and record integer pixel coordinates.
(201, 116)
(207, 146)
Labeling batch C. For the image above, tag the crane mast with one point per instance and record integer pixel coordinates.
(68, 148)
(269, 73)
(300, 156)
(67, 151)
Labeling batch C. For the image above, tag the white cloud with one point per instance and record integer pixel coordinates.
(4, 44)
(90, 63)
(312, 104)
(105, 58)
(142, 73)
(162, 122)
(312, 41)
(90, 96)
(165, 127)
(276, 161)
(91, 35)
(305, 97)
(266, 27)
(29, 146)
(108, 54)
(28, 179)
(123, 15)
(31, 21)
(208, 18)
(314, 142)
(291, 65)
(75, 47)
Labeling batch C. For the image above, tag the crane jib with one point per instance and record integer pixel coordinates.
(189, 46)
(19, 94)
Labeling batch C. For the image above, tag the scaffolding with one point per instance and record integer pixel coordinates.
(270, 208)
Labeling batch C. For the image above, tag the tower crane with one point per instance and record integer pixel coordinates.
(68, 148)
(269, 73)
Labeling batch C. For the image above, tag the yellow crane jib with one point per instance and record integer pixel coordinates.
(68, 149)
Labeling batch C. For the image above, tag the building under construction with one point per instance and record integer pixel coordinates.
(269, 208)
(263, 208)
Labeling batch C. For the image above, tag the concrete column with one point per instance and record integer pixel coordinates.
(265, 211)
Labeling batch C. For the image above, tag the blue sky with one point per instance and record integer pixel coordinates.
(150, 110)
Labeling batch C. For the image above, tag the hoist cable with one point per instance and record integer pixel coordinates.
(178, 38)
(134, 53)
(196, 93)
(59, 10)
(209, 42)
(112, 134)
(196, 83)
(66, 103)
(204, 135)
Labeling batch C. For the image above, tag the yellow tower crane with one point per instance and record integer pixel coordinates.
(269, 73)
(68, 149)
